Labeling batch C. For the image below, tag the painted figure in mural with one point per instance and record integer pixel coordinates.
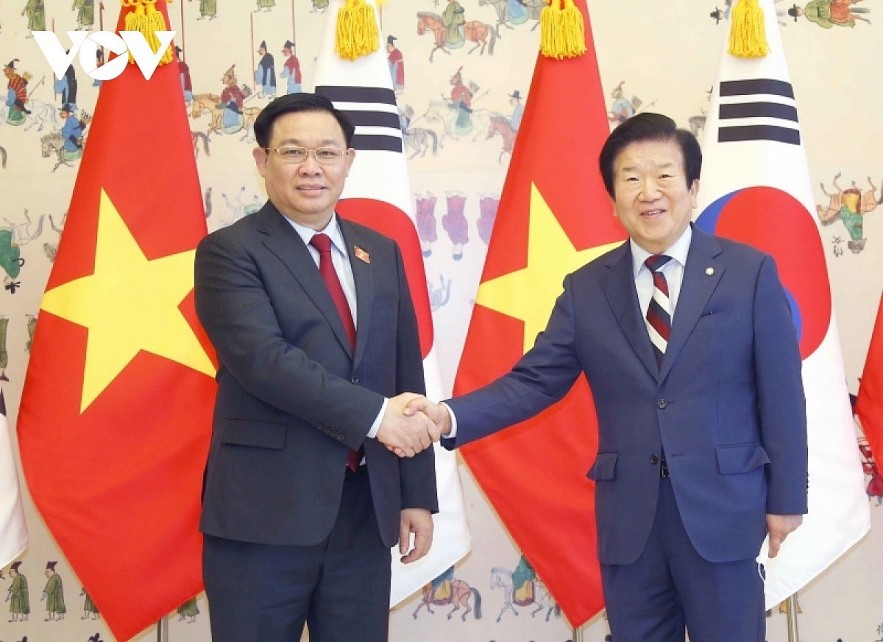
(265, 74)
(425, 221)
(184, 74)
(207, 9)
(517, 110)
(461, 100)
(85, 13)
(99, 61)
(36, 13)
(189, 610)
(849, 206)
(319, 6)
(290, 69)
(265, 4)
(874, 488)
(67, 87)
(72, 132)
(622, 108)
(453, 18)
(455, 224)
(396, 63)
(90, 610)
(682, 505)
(53, 594)
(830, 13)
(16, 93)
(232, 100)
(487, 215)
(18, 596)
(312, 321)
(446, 590)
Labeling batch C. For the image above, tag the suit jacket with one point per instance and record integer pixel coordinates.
(293, 397)
(726, 406)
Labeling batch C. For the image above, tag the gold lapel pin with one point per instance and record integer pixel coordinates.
(361, 254)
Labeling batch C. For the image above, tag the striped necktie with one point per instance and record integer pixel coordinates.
(659, 310)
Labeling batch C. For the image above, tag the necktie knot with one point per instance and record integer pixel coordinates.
(655, 262)
(321, 242)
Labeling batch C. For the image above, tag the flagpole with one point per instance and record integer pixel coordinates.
(792, 619)
(162, 630)
(577, 634)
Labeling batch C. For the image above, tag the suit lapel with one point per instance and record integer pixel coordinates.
(363, 276)
(702, 273)
(282, 240)
(618, 285)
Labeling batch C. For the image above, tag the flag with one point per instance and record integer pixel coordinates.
(378, 194)
(13, 530)
(869, 405)
(755, 188)
(554, 216)
(116, 409)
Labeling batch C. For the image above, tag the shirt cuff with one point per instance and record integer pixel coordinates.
(375, 427)
(453, 417)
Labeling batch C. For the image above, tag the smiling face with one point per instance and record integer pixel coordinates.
(305, 192)
(651, 197)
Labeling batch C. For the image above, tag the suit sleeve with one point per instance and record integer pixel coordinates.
(238, 314)
(418, 480)
(781, 401)
(540, 378)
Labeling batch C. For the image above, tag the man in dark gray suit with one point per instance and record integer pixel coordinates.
(688, 344)
(317, 339)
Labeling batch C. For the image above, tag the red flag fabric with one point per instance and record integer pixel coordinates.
(115, 416)
(554, 216)
(869, 405)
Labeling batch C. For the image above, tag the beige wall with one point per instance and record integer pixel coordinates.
(666, 54)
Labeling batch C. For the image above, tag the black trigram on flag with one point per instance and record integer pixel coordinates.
(374, 112)
(758, 109)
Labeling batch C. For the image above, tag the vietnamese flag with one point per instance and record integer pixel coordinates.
(116, 410)
(869, 405)
(554, 216)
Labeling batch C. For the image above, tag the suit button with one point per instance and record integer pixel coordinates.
(654, 459)
(661, 404)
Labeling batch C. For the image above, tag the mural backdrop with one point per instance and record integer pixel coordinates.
(652, 57)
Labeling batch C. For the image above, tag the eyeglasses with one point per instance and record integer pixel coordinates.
(296, 154)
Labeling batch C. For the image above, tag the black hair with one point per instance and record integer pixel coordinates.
(290, 103)
(649, 126)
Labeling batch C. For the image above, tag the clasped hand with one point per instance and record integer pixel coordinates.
(411, 424)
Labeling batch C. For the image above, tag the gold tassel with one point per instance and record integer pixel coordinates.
(562, 33)
(357, 32)
(146, 19)
(748, 34)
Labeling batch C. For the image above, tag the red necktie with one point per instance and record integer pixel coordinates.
(322, 242)
(659, 310)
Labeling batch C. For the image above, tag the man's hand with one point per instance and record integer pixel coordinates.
(435, 411)
(419, 522)
(778, 526)
(405, 435)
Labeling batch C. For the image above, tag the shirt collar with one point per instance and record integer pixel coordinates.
(332, 230)
(678, 251)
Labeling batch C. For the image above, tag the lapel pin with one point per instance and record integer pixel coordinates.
(709, 271)
(361, 254)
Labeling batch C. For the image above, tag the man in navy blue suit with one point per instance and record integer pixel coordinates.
(317, 340)
(688, 344)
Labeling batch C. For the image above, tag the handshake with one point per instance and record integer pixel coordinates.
(412, 423)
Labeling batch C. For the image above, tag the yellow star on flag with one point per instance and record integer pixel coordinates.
(128, 304)
(529, 294)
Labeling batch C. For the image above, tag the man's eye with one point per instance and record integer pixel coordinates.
(327, 154)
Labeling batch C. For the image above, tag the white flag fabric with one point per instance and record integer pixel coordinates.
(378, 194)
(13, 530)
(755, 188)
